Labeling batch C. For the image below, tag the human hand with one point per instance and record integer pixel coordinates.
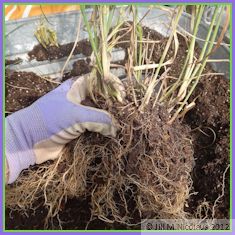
(39, 132)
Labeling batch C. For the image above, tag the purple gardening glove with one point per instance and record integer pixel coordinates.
(39, 132)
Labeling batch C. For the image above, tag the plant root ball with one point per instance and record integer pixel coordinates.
(142, 173)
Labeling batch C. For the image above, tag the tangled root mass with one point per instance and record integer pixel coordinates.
(142, 173)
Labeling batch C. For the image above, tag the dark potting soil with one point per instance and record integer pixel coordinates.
(80, 67)
(23, 88)
(53, 52)
(211, 143)
(210, 117)
(15, 61)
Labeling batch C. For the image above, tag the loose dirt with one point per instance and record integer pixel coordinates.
(209, 123)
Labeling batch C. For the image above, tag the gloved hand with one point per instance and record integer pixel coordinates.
(39, 132)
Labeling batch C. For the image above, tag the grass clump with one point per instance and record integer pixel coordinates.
(143, 173)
